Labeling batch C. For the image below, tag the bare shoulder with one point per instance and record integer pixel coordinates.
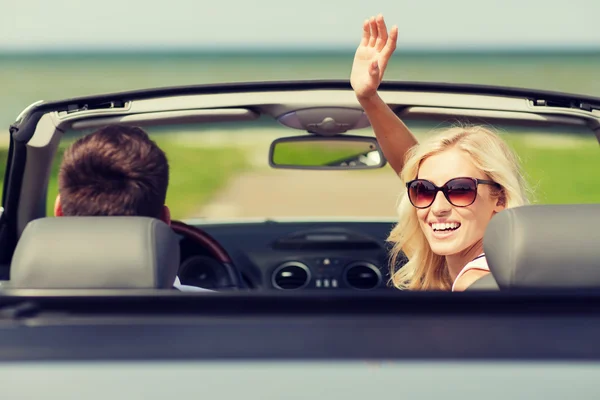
(468, 278)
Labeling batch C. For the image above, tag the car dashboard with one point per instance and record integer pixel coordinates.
(291, 256)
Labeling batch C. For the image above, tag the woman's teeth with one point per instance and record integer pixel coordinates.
(447, 226)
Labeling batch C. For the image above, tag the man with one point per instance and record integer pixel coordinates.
(115, 171)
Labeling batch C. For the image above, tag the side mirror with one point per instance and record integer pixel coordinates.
(326, 153)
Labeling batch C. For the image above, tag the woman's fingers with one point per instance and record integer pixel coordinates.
(366, 33)
(390, 44)
(374, 31)
(375, 34)
(382, 33)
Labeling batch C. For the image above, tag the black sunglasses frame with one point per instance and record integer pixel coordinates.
(444, 189)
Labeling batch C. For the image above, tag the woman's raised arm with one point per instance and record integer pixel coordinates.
(370, 62)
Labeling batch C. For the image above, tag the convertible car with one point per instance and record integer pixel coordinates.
(283, 201)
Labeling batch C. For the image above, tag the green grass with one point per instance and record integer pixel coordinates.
(560, 169)
(196, 174)
(3, 160)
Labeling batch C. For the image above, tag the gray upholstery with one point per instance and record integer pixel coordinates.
(486, 282)
(95, 253)
(545, 246)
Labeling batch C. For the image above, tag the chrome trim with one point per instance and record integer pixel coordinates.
(363, 264)
(27, 109)
(290, 264)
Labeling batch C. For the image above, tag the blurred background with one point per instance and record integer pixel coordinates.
(63, 48)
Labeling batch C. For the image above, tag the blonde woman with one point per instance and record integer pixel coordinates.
(454, 182)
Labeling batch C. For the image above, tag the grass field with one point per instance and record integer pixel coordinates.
(560, 169)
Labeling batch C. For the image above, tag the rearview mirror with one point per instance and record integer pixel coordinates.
(326, 153)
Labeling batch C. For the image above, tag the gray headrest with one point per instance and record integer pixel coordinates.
(95, 253)
(545, 246)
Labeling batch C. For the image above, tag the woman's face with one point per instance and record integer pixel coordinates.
(450, 229)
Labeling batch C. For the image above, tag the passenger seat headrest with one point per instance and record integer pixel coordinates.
(545, 246)
(95, 253)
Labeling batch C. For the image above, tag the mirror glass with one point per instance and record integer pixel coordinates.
(317, 152)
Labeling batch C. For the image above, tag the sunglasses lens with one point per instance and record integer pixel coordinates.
(461, 192)
(421, 193)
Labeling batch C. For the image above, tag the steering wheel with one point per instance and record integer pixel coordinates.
(213, 247)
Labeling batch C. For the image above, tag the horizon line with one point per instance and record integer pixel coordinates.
(265, 49)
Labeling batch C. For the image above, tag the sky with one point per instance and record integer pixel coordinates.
(234, 24)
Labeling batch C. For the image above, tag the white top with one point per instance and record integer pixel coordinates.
(186, 288)
(479, 263)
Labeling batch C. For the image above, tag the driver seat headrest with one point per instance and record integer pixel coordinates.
(95, 253)
(545, 246)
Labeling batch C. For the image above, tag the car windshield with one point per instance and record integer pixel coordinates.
(221, 172)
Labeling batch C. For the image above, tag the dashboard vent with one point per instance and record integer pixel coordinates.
(291, 276)
(362, 275)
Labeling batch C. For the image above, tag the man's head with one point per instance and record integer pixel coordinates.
(117, 171)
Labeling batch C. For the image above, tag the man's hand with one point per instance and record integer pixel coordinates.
(372, 56)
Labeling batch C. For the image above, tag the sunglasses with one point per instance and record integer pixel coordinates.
(460, 192)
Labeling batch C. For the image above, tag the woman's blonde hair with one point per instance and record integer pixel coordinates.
(490, 154)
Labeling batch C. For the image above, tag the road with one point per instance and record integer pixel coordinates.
(287, 193)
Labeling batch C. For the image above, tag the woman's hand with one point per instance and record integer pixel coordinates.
(372, 56)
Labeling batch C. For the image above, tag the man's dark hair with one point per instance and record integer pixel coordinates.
(117, 170)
